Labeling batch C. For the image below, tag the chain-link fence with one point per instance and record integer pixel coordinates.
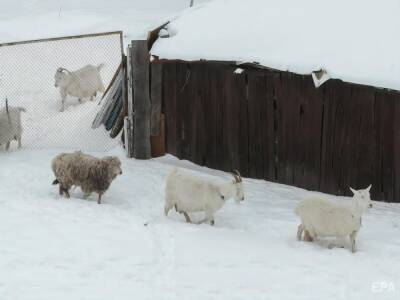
(36, 75)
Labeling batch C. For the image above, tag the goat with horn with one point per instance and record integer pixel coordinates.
(188, 193)
(82, 83)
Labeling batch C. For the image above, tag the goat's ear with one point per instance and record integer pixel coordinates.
(369, 187)
(354, 191)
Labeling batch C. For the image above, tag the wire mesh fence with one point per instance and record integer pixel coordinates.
(37, 75)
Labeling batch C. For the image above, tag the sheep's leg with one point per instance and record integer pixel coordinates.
(299, 232)
(99, 199)
(66, 192)
(353, 241)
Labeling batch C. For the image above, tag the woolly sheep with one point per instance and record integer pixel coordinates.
(325, 218)
(92, 174)
(10, 126)
(189, 193)
(82, 83)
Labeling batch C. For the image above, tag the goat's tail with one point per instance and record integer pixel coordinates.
(100, 66)
(55, 182)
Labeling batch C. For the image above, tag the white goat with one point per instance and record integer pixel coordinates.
(189, 193)
(325, 218)
(10, 126)
(82, 83)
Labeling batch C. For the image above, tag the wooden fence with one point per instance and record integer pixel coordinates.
(279, 127)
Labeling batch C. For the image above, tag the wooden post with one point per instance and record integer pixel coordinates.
(141, 99)
(156, 97)
(128, 125)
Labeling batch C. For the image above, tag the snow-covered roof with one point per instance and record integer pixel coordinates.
(353, 40)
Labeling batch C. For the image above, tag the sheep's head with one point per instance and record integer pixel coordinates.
(59, 77)
(363, 198)
(114, 165)
(239, 194)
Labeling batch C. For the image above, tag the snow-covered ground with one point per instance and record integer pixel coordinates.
(57, 248)
(34, 19)
(125, 248)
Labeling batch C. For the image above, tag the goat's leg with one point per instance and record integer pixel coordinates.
(19, 141)
(353, 241)
(7, 145)
(80, 100)
(167, 208)
(187, 218)
(63, 97)
(210, 217)
(299, 232)
(99, 199)
(307, 236)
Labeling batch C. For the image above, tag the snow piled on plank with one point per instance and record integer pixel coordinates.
(355, 41)
(58, 248)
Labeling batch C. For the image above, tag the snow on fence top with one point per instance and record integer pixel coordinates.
(353, 40)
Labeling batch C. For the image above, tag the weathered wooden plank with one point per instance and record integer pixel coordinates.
(185, 103)
(200, 97)
(118, 125)
(268, 128)
(169, 99)
(386, 108)
(213, 76)
(128, 132)
(362, 142)
(257, 118)
(311, 141)
(156, 97)
(396, 149)
(234, 118)
(141, 99)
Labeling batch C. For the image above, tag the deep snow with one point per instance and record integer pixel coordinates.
(352, 40)
(33, 19)
(57, 248)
